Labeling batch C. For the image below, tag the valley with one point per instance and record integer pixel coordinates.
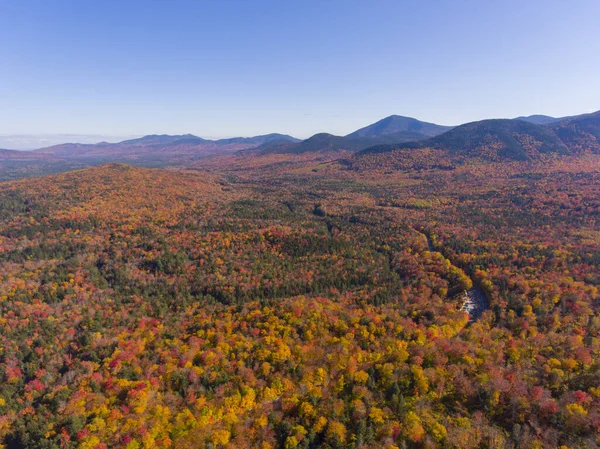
(291, 300)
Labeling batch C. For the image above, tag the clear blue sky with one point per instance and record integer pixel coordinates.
(225, 68)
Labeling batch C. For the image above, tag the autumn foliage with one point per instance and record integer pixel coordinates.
(204, 309)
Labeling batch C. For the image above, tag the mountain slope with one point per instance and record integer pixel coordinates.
(581, 133)
(396, 124)
(494, 140)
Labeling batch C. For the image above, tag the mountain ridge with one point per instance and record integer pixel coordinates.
(331, 142)
(538, 119)
(494, 139)
(160, 146)
(581, 133)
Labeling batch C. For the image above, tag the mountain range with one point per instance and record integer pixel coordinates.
(523, 138)
(505, 139)
(392, 129)
(161, 147)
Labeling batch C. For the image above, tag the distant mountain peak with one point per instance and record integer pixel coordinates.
(397, 123)
(163, 139)
(259, 140)
(538, 119)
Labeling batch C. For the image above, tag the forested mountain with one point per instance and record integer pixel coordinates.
(329, 142)
(259, 140)
(505, 140)
(393, 129)
(523, 138)
(498, 140)
(581, 134)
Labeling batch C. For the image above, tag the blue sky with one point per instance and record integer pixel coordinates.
(225, 68)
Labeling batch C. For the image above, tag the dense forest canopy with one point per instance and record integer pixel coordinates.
(310, 301)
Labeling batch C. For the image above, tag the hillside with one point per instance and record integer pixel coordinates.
(581, 133)
(397, 124)
(492, 140)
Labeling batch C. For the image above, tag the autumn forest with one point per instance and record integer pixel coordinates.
(404, 297)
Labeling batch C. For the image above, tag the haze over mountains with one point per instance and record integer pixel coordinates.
(161, 147)
(392, 129)
(26, 142)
